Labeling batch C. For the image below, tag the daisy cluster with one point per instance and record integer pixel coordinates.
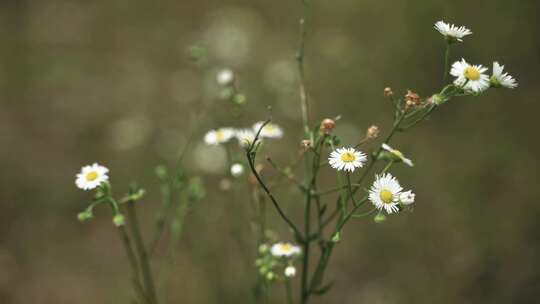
(471, 77)
(386, 192)
(244, 136)
(276, 261)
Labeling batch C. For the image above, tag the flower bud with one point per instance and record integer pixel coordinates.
(327, 125)
(237, 170)
(336, 237)
(239, 99)
(388, 92)
(437, 99)
(290, 271)
(372, 132)
(379, 218)
(119, 220)
(225, 77)
(85, 216)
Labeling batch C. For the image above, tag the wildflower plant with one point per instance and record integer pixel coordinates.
(363, 188)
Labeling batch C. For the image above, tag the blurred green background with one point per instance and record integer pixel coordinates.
(111, 81)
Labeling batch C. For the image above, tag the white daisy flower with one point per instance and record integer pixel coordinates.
(470, 77)
(237, 170)
(270, 130)
(452, 32)
(91, 176)
(498, 79)
(290, 271)
(407, 197)
(225, 77)
(284, 249)
(244, 136)
(385, 193)
(347, 159)
(219, 136)
(398, 154)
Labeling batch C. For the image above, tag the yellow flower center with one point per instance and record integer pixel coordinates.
(348, 157)
(269, 128)
(285, 247)
(471, 73)
(386, 196)
(220, 135)
(397, 153)
(91, 176)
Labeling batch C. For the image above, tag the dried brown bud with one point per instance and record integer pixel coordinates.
(306, 144)
(388, 92)
(327, 125)
(412, 99)
(372, 132)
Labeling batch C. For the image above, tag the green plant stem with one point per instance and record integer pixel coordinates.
(288, 291)
(136, 281)
(446, 62)
(130, 253)
(251, 160)
(143, 255)
(304, 103)
(166, 206)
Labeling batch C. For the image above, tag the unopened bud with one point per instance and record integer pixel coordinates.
(290, 271)
(327, 125)
(437, 99)
(372, 132)
(85, 216)
(379, 218)
(119, 220)
(225, 77)
(388, 92)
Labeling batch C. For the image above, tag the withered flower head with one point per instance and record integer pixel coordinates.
(327, 125)
(412, 99)
(372, 132)
(388, 92)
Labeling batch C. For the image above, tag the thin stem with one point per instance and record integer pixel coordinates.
(128, 248)
(288, 291)
(271, 196)
(446, 62)
(304, 103)
(136, 281)
(143, 255)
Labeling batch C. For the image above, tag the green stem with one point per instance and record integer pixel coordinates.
(304, 104)
(446, 62)
(128, 248)
(288, 291)
(143, 255)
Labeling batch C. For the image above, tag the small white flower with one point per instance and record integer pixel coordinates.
(347, 159)
(270, 130)
(385, 193)
(237, 170)
(290, 271)
(91, 176)
(452, 32)
(244, 136)
(398, 154)
(470, 77)
(407, 197)
(498, 79)
(225, 77)
(284, 249)
(219, 136)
